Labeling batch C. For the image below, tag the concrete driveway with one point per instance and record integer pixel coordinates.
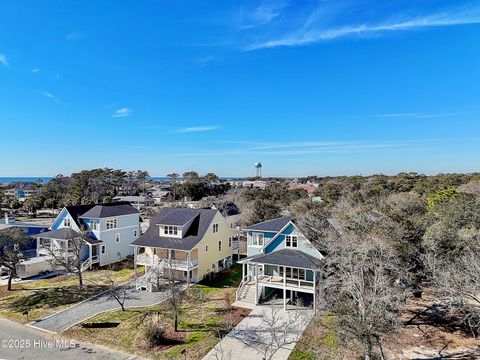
(268, 332)
(98, 304)
(21, 342)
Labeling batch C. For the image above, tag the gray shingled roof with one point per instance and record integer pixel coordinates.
(202, 218)
(67, 233)
(287, 257)
(76, 211)
(108, 210)
(176, 217)
(272, 225)
(62, 234)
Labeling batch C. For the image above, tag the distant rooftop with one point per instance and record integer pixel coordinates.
(272, 225)
(108, 210)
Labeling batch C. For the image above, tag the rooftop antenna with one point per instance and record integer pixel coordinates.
(258, 169)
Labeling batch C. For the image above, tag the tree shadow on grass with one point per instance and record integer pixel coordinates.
(100, 325)
(473, 354)
(437, 315)
(53, 297)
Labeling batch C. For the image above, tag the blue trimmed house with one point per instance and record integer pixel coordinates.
(111, 228)
(281, 262)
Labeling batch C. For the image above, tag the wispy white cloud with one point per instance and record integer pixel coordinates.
(4, 60)
(313, 33)
(198, 129)
(417, 115)
(35, 70)
(73, 36)
(50, 96)
(123, 112)
(260, 15)
(313, 147)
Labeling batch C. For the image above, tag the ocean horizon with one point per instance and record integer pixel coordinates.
(45, 179)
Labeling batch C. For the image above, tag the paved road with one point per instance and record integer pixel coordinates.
(38, 345)
(73, 315)
(266, 331)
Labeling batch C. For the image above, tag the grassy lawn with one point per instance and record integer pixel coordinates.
(47, 296)
(201, 321)
(319, 341)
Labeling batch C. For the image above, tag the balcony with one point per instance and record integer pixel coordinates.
(294, 284)
(149, 260)
(235, 244)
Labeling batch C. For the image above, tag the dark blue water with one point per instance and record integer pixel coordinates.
(46, 179)
(24, 179)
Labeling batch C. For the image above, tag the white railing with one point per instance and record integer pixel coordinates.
(235, 245)
(245, 280)
(144, 259)
(278, 280)
(85, 265)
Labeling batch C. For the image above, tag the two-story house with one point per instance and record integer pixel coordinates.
(111, 229)
(190, 243)
(280, 262)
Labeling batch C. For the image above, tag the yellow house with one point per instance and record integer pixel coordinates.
(191, 243)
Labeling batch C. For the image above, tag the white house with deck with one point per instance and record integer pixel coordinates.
(281, 263)
(107, 231)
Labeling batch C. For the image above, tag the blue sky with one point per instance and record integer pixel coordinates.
(326, 87)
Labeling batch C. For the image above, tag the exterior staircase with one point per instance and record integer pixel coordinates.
(246, 295)
(151, 280)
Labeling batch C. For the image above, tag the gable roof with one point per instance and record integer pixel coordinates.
(179, 217)
(76, 211)
(287, 257)
(202, 218)
(272, 225)
(108, 210)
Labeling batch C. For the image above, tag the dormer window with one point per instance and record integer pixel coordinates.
(291, 241)
(170, 230)
(257, 239)
(111, 224)
(66, 222)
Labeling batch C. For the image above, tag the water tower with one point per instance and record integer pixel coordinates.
(258, 169)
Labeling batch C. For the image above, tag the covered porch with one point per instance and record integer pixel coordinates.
(68, 243)
(290, 271)
(175, 259)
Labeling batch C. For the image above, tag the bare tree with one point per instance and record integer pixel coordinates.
(115, 289)
(69, 257)
(457, 285)
(363, 281)
(12, 240)
(176, 290)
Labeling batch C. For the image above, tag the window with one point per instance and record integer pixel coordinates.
(104, 249)
(230, 241)
(93, 224)
(257, 239)
(220, 245)
(215, 228)
(206, 248)
(170, 230)
(117, 238)
(134, 233)
(293, 273)
(291, 241)
(185, 274)
(66, 222)
(111, 224)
